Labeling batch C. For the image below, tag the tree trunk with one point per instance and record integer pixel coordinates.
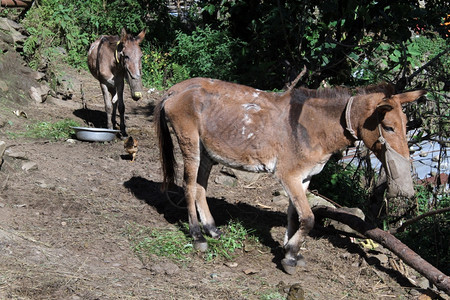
(439, 279)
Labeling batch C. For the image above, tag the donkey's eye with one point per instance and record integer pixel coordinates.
(388, 128)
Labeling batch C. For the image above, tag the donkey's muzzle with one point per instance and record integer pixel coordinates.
(398, 171)
(136, 96)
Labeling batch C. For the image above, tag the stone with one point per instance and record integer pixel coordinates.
(383, 258)
(6, 23)
(39, 94)
(29, 166)
(343, 227)
(231, 264)
(314, 200)
(2, 149)
(250, 271)
(280, 199)
(248, 177)
(167, 268)
(423, 283)
(37, 75)
(16, 155)
(11, 29)
(3, 86)
(226, 180)
(171, 269)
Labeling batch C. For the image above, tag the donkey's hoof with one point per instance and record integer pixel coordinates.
(289, 265)
(212, 231)
(201, 246)
(301, 262)
(217, 234)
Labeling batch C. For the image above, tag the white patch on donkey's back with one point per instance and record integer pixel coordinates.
(247, 120)
(251, 106)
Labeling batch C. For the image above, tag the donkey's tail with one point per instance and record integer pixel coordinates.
(166, 148)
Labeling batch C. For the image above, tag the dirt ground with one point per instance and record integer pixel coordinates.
(65, 208)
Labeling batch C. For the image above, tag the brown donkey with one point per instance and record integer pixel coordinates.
(110, 60)
(290, 135)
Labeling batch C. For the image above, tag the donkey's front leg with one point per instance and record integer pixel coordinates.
(300, 222)
(121, 107)
(108, 105)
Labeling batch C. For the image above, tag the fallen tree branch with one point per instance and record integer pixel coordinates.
(418, 218)
(315, 192)
(439, 279)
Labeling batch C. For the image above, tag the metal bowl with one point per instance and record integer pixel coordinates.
(95, 134)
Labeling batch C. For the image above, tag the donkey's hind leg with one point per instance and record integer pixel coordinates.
(190, 148)
(209, 226)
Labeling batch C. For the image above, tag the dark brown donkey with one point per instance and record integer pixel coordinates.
(110, 60)
(290, 135)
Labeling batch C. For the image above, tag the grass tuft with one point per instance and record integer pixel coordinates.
(49, 130)
(177, 245)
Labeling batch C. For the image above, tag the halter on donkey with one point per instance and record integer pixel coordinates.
(291, 135)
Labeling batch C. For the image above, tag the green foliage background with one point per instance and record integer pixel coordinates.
(265, 44)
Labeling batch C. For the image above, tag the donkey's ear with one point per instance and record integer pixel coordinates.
(123, 35)
(140, 36)
(119, 46)
(384, 106)
(410, 96)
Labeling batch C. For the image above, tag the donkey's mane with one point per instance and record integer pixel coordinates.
(335, 92)
(387, 89)
(344, 92)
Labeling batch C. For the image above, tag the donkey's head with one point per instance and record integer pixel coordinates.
(128, 55)
(384, 132)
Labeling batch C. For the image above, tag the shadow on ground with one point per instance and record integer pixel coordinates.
(92, 118)
(259, 222)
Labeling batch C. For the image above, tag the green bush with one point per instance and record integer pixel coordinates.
(55, 34)
(387, 60)
(155, 66)
(429, 236)
(158, 70)
(207, 53)
(341, 183)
